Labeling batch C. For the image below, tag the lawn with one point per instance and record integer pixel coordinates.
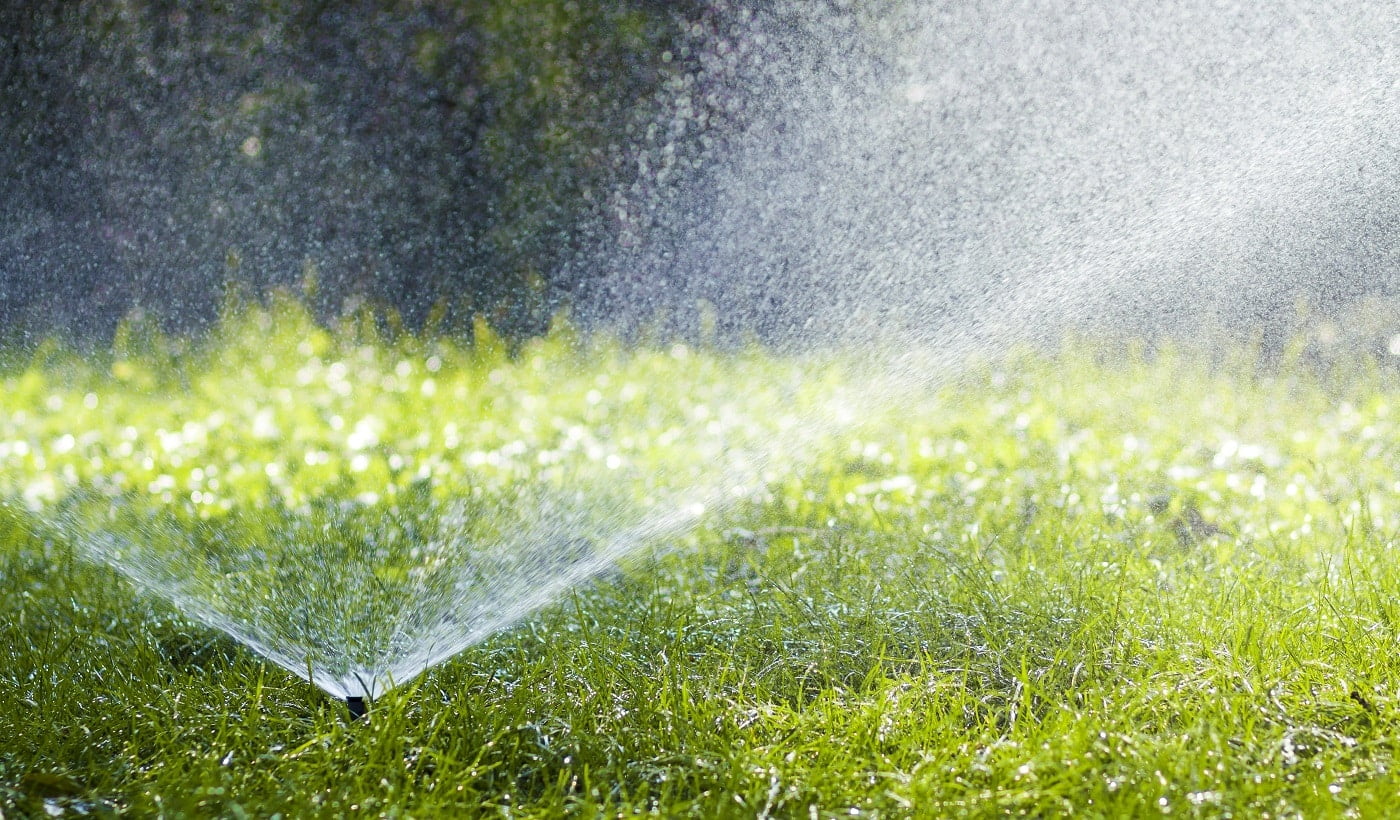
(1104, 579)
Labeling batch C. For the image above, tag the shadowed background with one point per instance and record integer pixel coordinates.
(797, 170)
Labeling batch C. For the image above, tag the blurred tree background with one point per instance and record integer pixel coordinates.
(436, 159)
(441, 160)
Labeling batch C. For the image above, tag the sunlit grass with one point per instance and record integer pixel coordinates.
(1097, 581)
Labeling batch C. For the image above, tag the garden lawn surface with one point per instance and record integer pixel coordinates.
(1099, 580)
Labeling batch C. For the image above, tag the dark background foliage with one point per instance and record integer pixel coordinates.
(438, 159)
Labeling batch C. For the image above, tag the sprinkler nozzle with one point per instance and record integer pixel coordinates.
(357, 706)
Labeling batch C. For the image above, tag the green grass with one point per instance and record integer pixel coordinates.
(1097, 582)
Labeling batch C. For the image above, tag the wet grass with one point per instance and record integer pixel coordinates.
(1078, 583)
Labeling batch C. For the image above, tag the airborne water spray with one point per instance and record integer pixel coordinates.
(902, 190)
(913, 170)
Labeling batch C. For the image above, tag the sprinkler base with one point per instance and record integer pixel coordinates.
(357, 706)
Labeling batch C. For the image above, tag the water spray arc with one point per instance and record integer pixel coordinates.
(967, 179)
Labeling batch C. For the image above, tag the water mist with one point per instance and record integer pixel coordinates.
(882, 193)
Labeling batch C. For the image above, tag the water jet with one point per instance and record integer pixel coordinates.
(957, 184)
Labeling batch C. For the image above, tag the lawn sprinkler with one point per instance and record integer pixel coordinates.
(357, 698)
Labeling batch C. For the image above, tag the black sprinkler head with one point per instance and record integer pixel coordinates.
(357, 705)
